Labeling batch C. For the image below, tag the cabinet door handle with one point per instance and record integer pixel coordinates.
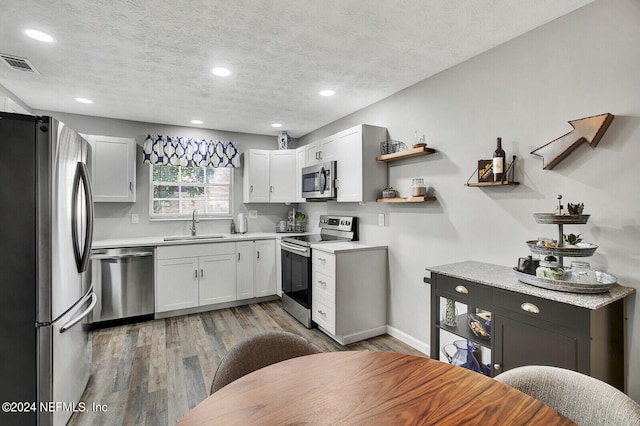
(322, 282)
(238, 257)
(462, 289)
(320, 312)
(258, 254)
(201, 273)
(131, 186)
(196, 274)
(271, 188)
(323, 260)
(251, 188)
(530, 307)
(497, 367)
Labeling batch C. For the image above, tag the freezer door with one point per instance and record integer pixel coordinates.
(64, 350)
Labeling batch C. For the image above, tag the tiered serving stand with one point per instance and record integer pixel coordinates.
(604, 281)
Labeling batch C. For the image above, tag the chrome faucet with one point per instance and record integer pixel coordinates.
(194, 220)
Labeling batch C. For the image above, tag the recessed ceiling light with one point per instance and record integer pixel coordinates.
(327, 92)
(84, 100)
(38, 35)
(276, 125)
(221, 72)
(196, 121)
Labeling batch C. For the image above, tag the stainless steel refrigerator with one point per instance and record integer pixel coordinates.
(46, 230)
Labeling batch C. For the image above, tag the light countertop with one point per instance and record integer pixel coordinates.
(159, 240)
(345, 246)
(503, 277)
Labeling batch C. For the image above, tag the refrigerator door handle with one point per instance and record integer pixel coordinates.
(74, 321)
(82, 177)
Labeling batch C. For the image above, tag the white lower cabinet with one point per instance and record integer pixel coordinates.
(217, 279)
(169, 294)
(350, 303)
(256, 269)
(265, 272)
(245, 270)
(193, 275)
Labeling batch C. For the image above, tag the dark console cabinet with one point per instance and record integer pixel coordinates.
(532, 326)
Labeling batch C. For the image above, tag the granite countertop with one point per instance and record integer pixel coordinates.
(159, 240)
(345, 246)
(503, 277)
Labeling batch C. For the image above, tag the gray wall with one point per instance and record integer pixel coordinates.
(525, 91)
(113, 220)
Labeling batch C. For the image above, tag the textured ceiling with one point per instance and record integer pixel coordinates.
(149, 60)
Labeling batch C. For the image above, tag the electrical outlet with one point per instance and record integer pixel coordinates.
(380, 219)
(253, 214)
(134, 218)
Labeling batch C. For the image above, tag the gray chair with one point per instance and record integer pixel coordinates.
(260, 351)
(583, 399)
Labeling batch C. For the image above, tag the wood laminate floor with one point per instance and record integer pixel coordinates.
(154, 372)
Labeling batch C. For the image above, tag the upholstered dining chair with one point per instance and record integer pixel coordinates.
(260, 351)
(583, 399)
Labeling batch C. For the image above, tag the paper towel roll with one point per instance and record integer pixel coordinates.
(241, 224)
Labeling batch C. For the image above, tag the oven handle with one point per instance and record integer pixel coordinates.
(294, 248)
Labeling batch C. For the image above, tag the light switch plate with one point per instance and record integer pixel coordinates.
(380, 219)
(134, 218)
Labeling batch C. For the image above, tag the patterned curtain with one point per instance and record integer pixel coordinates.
(179, 151)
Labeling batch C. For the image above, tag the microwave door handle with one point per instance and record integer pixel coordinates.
(323, 180)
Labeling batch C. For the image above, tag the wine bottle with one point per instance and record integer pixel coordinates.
(498, 162)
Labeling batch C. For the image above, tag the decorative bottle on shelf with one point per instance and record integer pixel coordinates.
(450, 313)
(498, 162)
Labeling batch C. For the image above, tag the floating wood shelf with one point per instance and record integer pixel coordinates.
(414, 152)
(499, 183)
(406, 199)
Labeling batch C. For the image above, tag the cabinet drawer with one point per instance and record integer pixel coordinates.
(193, 250)
(324, 314)
(465, 291)
(323, 261)
(542, 309)
(324, 285)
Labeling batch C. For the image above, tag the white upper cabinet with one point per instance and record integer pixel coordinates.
(360, 177)
(322, 151)
(113, 168)
(269, 176)
(300, 163)
(282, 175)
(9, 105)
(256, 176)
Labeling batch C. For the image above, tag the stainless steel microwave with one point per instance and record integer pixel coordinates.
(319, 182)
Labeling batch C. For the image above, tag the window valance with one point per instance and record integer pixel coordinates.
(189, 152)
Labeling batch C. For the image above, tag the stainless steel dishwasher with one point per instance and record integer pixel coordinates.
(123, 282)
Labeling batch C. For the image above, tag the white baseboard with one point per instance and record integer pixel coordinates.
(409, 340)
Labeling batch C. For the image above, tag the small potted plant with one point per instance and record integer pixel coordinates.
(388, 192)
(572, 239)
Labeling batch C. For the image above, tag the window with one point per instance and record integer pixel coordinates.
(176, 191)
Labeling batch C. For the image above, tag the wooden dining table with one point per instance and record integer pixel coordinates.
(369, 388)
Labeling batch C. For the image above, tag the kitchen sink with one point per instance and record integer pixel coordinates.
(194, 237)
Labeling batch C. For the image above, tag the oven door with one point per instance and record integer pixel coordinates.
(296, 273)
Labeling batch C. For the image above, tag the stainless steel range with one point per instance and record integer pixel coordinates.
(296, 263)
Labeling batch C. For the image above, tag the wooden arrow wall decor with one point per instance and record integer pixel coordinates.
(588, 129)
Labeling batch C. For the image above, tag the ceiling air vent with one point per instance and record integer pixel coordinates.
(18, 64)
